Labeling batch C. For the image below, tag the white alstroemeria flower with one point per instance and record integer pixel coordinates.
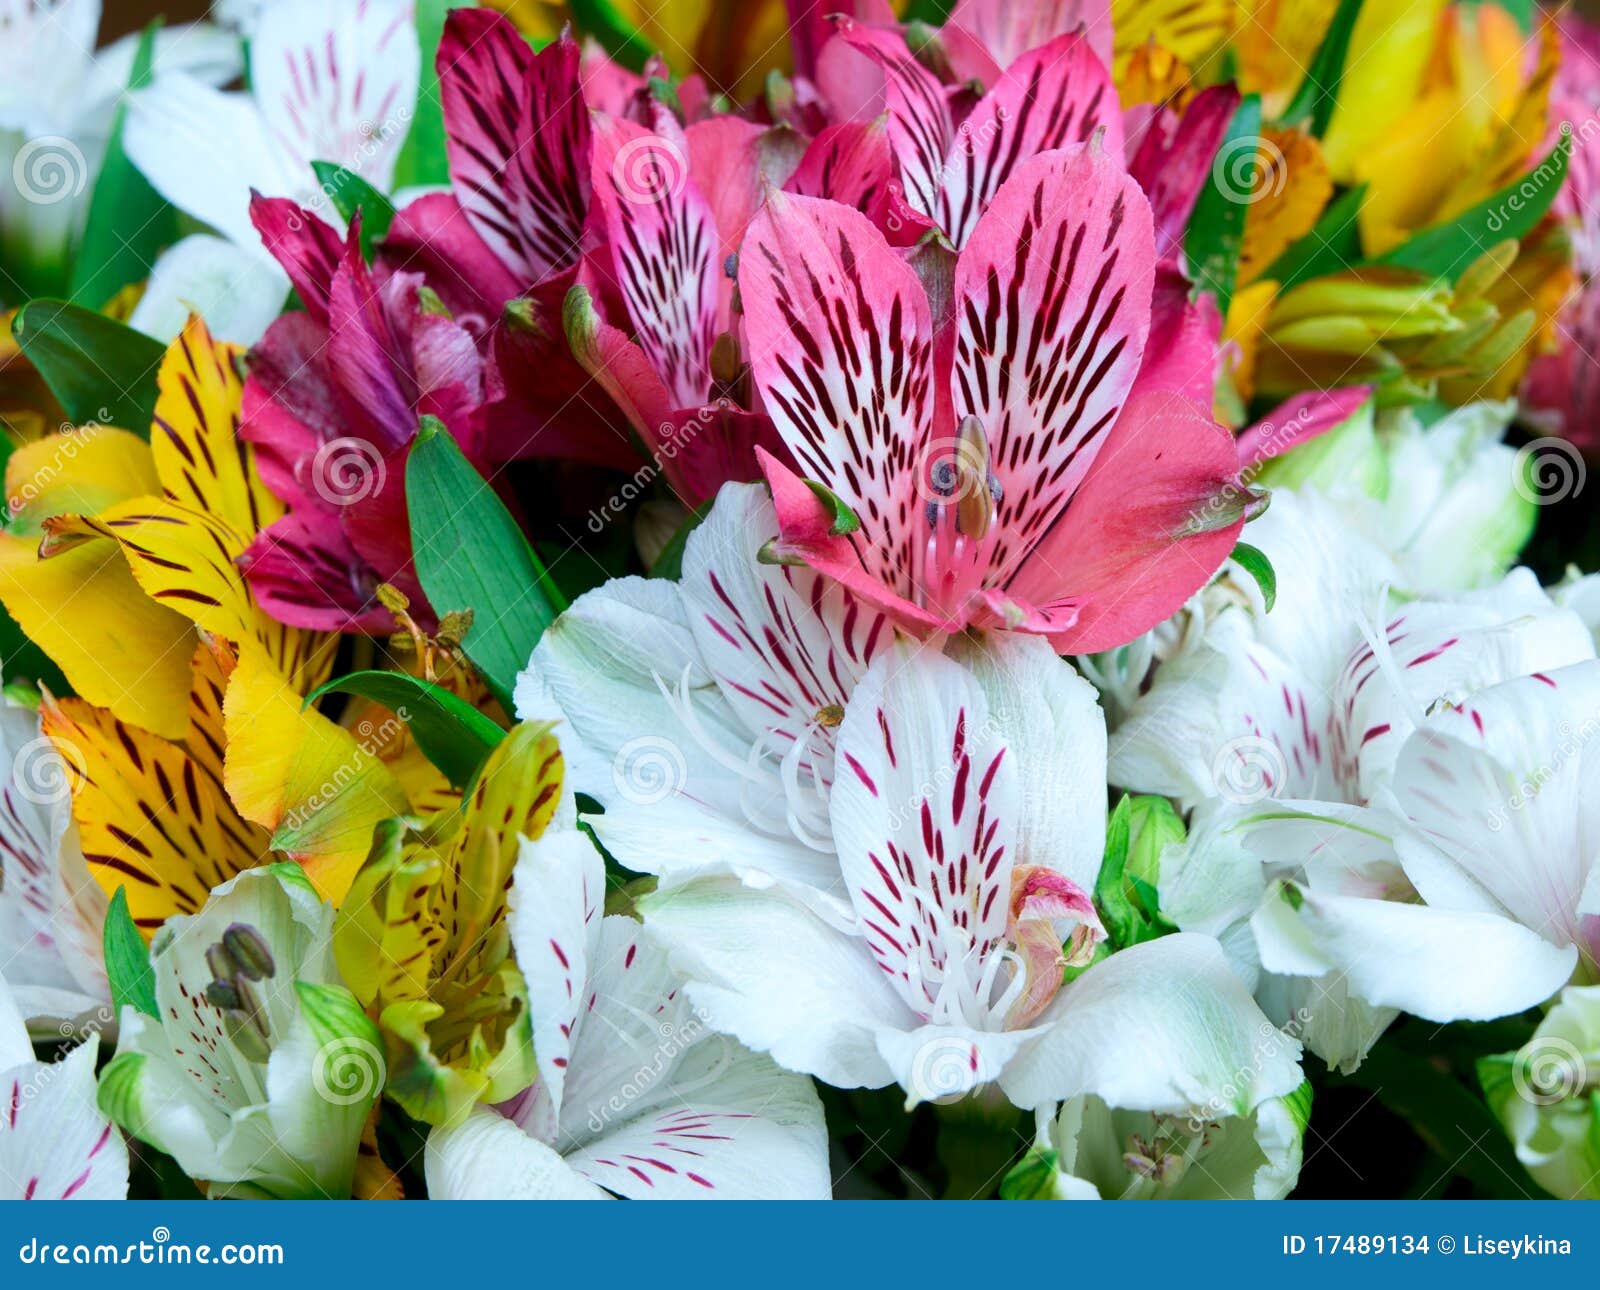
(1301, 713)
(1544, 1096)
(704, 713)
(330, 80)
(52, 911)
(1086, 1150)
(1446, 501)
(637, 1096)
(260, 1070)
(58, 99)
(968, 818)
(1471, 895)
(54, 1143)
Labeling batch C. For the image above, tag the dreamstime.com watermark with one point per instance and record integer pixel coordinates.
(160, 1250)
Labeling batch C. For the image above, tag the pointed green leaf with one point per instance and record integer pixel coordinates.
(452, 734)
(1319, 91)
(128, 222)
(133, 982)
(350, 193)
(470, 554)
(1447, 250)
(100, 370)
(1216, 229)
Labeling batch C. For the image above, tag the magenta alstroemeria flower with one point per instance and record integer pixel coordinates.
(505, 245)
(1027, 465)
(332, 402)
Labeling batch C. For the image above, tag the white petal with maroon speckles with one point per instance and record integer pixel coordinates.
(54, 1143)
(925, 813)
(557, 903)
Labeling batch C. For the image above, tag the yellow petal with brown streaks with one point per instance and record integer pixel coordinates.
(300, 775)
(151, 816)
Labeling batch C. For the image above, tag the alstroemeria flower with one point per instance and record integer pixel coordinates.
(58, 99)
(1027, 466)
(260, 1068)
(968, 823)
(636, 1095)
(503, 247)
(1086, 1150)
(331, 404)
(423, 937)
(330, 80)
(706, 711)
(1490, 824)
(675, 202)
(1282, 728)
(51, 910)
(1544, 1096)
(54, 1142)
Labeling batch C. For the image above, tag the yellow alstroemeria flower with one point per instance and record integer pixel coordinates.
(1275, 44)
(423, 941)
(1462, 115)
(283, 781)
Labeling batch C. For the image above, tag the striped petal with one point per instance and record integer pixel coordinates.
(841, 340)
(920, 125)
(54, 1142)
(153, 816)
(1006, 31)
(1053, 96)
(849, 163)
(1053, 307)
(518, 139)
(338, 82)
(925, 808)
(665, 241)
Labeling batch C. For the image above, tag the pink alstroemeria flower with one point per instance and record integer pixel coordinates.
(1022, 464)
(675, 203)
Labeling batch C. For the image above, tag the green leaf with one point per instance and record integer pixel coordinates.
(1216, 229)
(617, 36)
(1446, 250)
(350, 193)
(1333, 244)
(128, 222)
(669, 564)
(452, 734)
(422, 158)
(1319, 91)
(470, 554)
(133, 982)
(1254, 561)
(99, 370)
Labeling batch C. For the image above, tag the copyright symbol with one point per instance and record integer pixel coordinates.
(1446, 1245)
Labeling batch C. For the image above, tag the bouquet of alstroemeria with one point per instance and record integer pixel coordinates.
(761, 600)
